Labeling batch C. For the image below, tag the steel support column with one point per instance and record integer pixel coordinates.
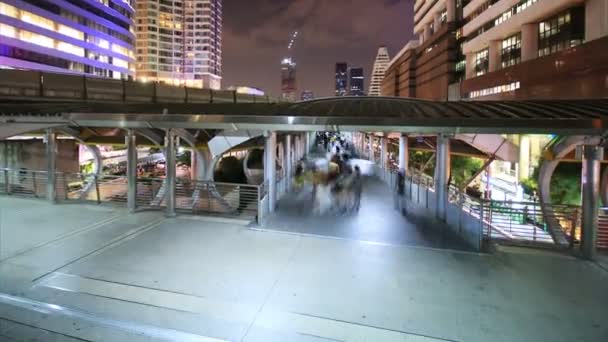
(51, 164)
(170, 171)
(442, 173)
(404, 154)
(288, 161)
(592, 155)
(130, 142)
(371, 147)
(270, 171)
(383, 152)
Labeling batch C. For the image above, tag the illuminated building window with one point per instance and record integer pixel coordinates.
(8, 10)
(37, 20)
(37, 39)
(70, 48)
(510, 53)
(562, 31)
(99, 42)
(70, 32)
(119, 49)
(482, 62)
(8, 31)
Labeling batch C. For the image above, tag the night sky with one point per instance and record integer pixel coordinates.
(256, 34)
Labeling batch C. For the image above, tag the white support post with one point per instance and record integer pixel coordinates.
(170, 172)
(404, 153)
(288, 161)
(383, 152)
(371, 148)
(51, 164)
(442, 173)
(130, 142)
(591, 186)
(270, 168)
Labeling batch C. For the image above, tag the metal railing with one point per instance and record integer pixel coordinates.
(602, 231)
(502, 221)
(195, 197)
(518, 222)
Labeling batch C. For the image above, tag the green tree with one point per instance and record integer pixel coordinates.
(565, 184)
(463, 168)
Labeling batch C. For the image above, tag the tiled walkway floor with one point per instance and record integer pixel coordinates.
(143, 277)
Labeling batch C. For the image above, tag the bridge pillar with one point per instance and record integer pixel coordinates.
(383, 152)
(371, 147)
(288, 161)
(404, 153)
(51, 164)
(170, 171)
(130, 142)
(270, 168)
(307, 143)
(592, 155)
(524, 157)
(442, 174)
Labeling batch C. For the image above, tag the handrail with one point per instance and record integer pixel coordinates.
(216, 197)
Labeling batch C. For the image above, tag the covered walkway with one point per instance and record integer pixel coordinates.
(377, 221)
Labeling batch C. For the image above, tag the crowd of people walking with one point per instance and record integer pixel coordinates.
(336, 180)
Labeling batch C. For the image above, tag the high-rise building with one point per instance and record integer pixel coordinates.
(341, 79)
(288, 80)
(87, 37)
(380, 65)
(307, 95)
(504, 49)
(180, 42)
(356, 82)
(536, 49)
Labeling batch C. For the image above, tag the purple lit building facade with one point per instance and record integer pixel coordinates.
(87, 37)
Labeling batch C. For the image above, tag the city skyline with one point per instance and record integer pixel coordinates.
(255, 41)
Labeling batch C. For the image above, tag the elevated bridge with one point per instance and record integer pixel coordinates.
(212, 122)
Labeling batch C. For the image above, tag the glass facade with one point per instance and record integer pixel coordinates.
(562, 31)
(179, 42)
(510, 53)
(341, 79)
(75, 36)
(357, 83)
(482, 62)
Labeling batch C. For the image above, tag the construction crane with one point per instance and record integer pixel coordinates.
(292, 41)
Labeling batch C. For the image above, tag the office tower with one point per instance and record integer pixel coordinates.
(341, 79)
(87, 37)
(180, 42)
(356, 82)
(380, 65)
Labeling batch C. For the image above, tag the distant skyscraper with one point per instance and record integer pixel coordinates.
(180, 42)
(380, 64)
(357, 82)
(84, 37)
(288, 80)
(307, 95)
(341, 79)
